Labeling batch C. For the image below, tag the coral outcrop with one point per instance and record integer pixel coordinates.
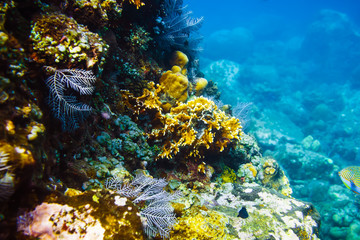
(143, 119)
(189, 128)
(59, 41)
(270, 214)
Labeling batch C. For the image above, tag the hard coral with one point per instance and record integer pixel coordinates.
(175, 84)
(61, 42)
(190, 127)
(198, 223)
(175, 81)
(200, 84)
(195, 126)
(95, 12)
(179, 59)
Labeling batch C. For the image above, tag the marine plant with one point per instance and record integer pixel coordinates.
(66, 107)
(158, 216)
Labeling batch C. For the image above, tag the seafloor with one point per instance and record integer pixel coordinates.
(110, 131)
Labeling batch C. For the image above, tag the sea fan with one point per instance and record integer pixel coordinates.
(179, 30)
(66, 107)
(158, 216)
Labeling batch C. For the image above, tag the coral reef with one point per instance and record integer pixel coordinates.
(201, 223)
(146, 122)
(59, 41)
(96, 12)
(198, 124)
(270, 213)
(200, 84)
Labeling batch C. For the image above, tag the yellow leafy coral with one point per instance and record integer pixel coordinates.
(190, 127)
(195, 126)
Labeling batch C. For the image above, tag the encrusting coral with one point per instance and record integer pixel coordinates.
(201, 223)
(61, 42)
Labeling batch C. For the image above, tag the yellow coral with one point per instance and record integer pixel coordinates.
(190, 127)
(200, 223)
(251, 168)
(280, 182)
(200, 84)
(197, 125)
(175, 84)
(228, 175)
(137, 3)
(179, 59)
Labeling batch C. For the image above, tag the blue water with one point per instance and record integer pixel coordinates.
(234, 13)
(298, 63)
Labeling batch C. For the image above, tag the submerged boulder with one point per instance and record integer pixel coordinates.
(270, 215)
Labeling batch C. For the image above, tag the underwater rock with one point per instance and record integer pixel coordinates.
(271, 215)
(332, 43)
(224, 72)
(272, 128)
(300, 163)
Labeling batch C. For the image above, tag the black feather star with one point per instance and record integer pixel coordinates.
(65, 106)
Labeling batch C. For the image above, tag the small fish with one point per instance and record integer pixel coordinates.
(350, 176)
(243, 213)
